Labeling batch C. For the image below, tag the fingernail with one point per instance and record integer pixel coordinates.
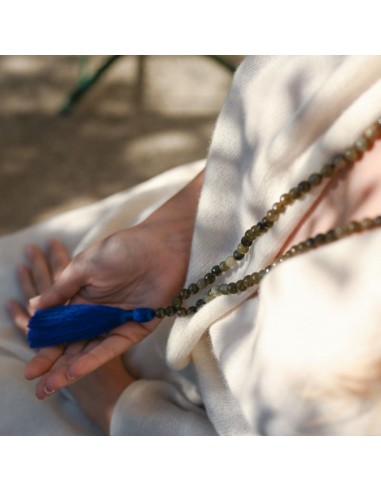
(48, 391)
(69, 376)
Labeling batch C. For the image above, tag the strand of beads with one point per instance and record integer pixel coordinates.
(311, 243)
(337, 164)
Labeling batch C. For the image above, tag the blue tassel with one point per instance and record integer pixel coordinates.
(74, 322)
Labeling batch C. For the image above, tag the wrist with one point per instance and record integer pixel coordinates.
(182, 206)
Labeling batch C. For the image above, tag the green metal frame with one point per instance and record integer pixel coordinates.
(86, 80)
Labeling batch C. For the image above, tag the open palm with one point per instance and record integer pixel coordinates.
(136, 267)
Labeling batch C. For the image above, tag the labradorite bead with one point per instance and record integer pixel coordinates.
(160, 313)
(181, 312)
(353, 226)
(278, 207)
(256, 230)
(223, 266)
(339, 162)
(170, 311)
(265, 224)
(372, 132)
(241, 285)
(352, 154)
(248, 281)
(191, 310)
(261, 274)
(230, 261)
(215, 291)
(293, 251)
(238, 256)
(315, 179)
(245, 241)
(328, 170)
(201, 283)
(366, 223)
(286, 199)
(330, 235)
(268, 269)
(232, 288)
(184, 294)
(193, 288)
(242, 249)
(272, 215)
(301, 247)
(377, 220)
(177, 302)
(304, 187)
(339, 232)
(249, 235)
(310, 243)
(224, 289)
(319, 239)
(209, 278)
(200, 303)
(255, 277)
(295, 193)
(362, 144)
(216, 270)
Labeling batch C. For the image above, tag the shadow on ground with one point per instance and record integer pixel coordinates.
(146, 115)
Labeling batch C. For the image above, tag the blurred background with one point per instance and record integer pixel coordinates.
(75, 129)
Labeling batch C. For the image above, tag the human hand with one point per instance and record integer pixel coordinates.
(141, 266)
(54, 364)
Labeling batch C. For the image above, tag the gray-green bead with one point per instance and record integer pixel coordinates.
(362, 144)
(223, 266)
(241, 285)
(201, 283)
(372, 132)
(224, 289)
(248, 281)
(315, 179)
(352, 154)
(177, 302)
(232, 288)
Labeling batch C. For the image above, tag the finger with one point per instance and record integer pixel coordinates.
(59, 257)
(43, 361)
(51, 358)
(39, 268)
(58, 378)
(71, 280)
(98, 353)
(26, 283)
(95, 354)
(116, 343)
(18, 314)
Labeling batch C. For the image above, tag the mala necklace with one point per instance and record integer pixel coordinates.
(74, 322)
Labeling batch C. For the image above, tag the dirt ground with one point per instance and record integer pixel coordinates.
(145, 115)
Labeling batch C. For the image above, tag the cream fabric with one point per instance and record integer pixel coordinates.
(272, 363)
(20, 412)
(257, 359)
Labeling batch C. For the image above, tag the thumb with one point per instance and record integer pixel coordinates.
(69, 283)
